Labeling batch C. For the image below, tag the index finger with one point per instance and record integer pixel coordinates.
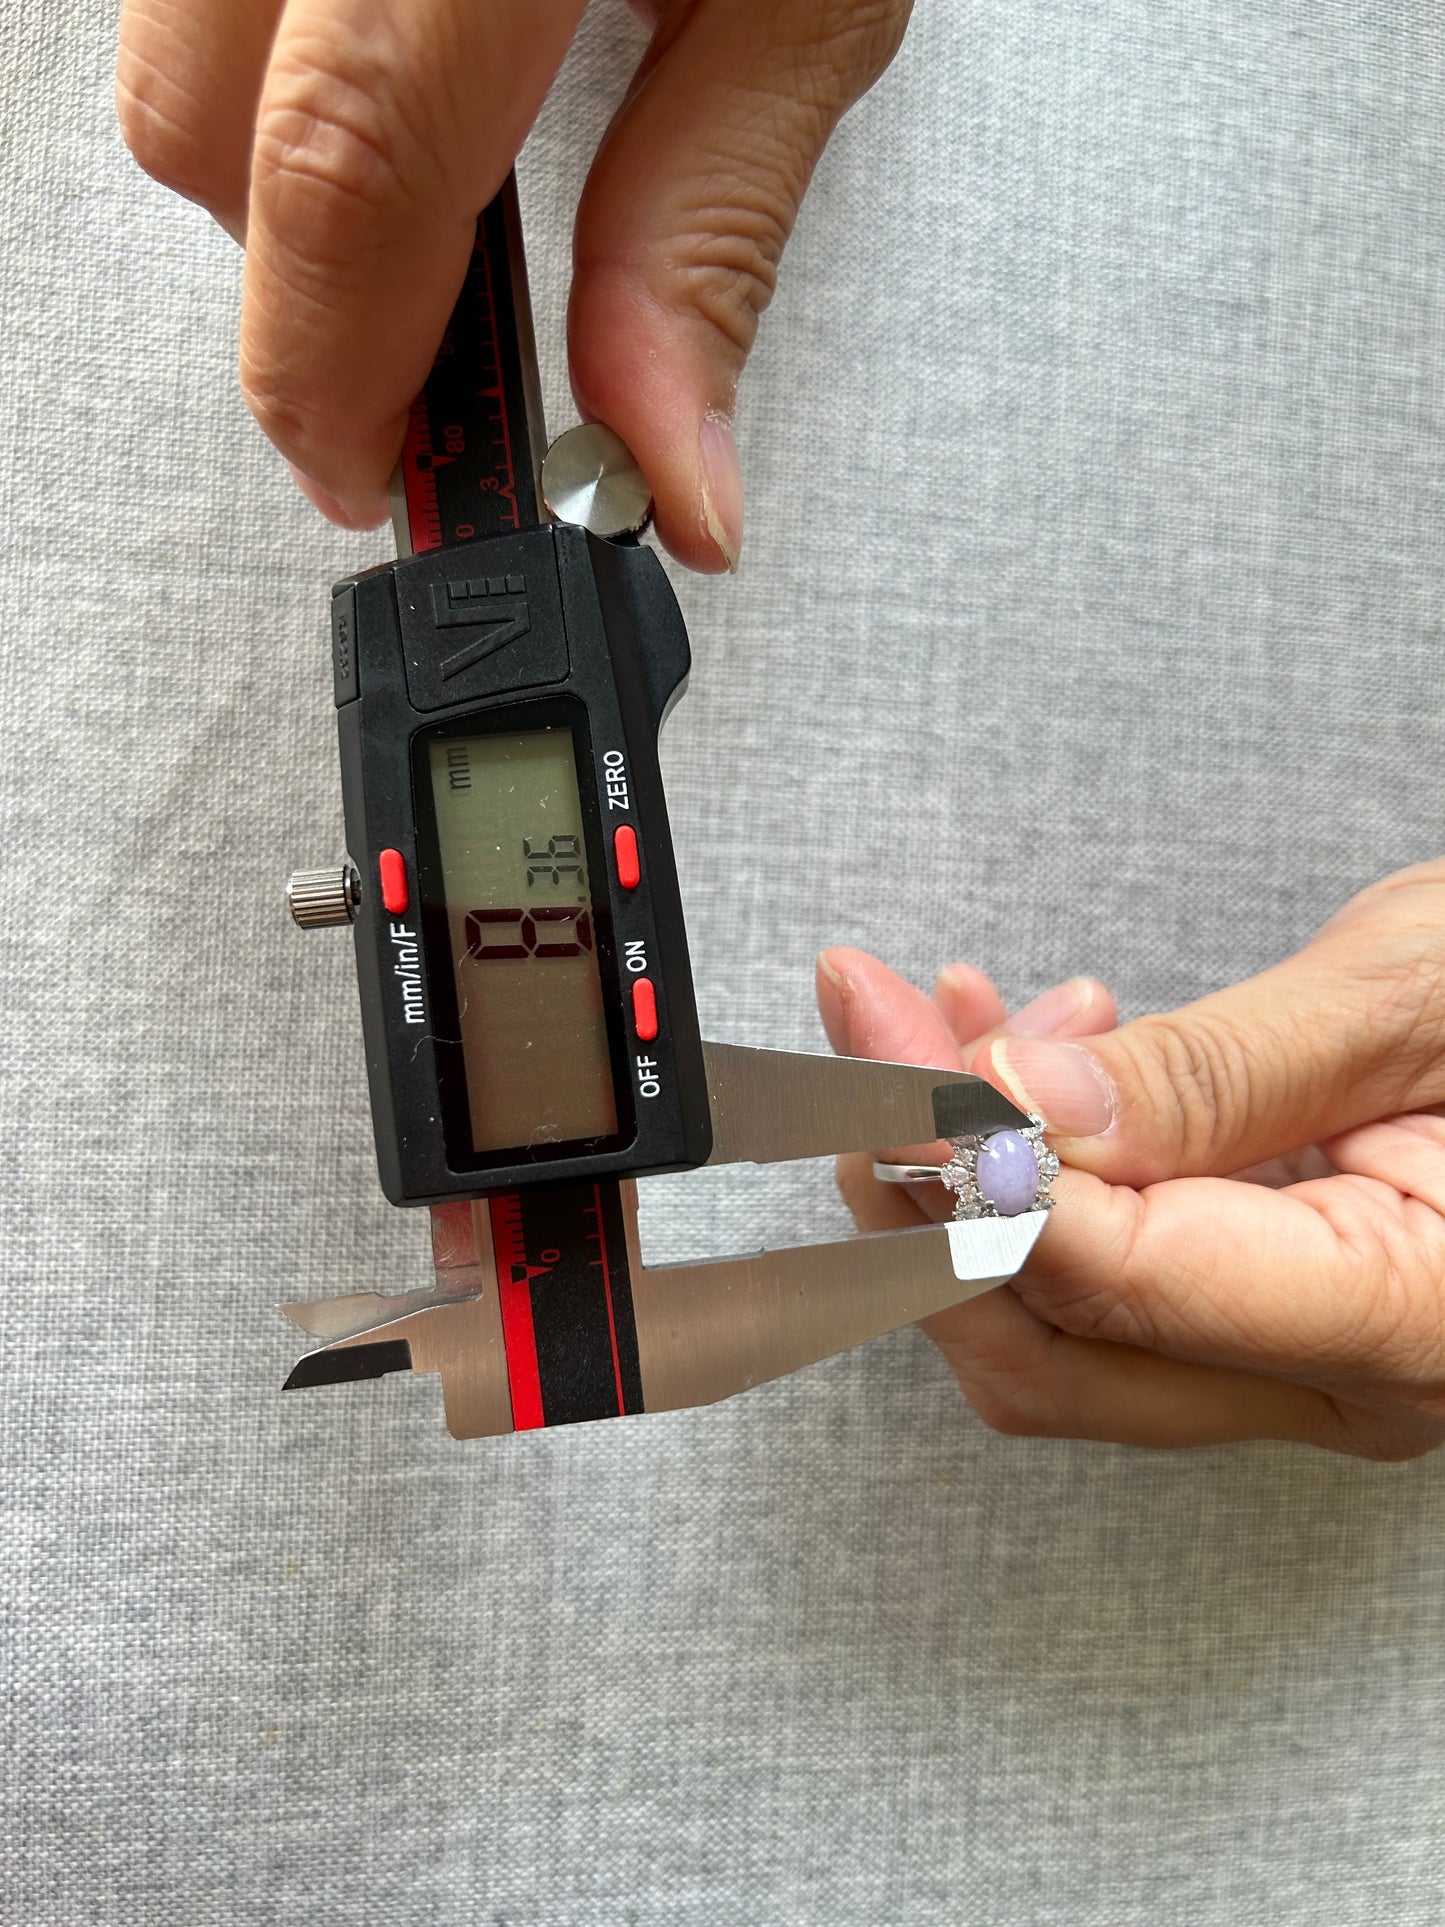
(381, 133)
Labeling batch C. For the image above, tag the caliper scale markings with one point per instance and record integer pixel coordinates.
(473, 446)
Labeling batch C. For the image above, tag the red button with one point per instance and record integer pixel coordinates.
(629, 870)
(644, 1010)
(394, 891)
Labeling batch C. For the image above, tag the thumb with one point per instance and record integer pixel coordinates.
(1350, 1029)
(689, 203)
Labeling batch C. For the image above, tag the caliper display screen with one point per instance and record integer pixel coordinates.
(519, 916)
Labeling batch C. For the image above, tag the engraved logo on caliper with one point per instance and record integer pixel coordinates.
(497, 604)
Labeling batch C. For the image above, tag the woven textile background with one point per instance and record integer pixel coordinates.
(1089, 619)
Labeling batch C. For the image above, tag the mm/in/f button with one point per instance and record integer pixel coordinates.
(395, 891)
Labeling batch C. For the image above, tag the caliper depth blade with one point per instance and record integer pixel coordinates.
(769, 1106)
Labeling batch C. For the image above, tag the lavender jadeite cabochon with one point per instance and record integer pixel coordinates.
(1008, 1173)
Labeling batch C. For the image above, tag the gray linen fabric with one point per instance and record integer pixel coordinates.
(1088, 620)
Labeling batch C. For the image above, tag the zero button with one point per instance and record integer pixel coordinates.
(629, 870)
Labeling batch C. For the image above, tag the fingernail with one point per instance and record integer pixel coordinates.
(1063, 1083)
(722, 487)
(960, 977)
(832, 1003)
(1047, 1015)
(370, 517)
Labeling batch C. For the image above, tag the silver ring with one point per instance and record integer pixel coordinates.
(1018, 1169)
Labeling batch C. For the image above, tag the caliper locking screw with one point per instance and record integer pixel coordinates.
(317, 898)
(590, 480)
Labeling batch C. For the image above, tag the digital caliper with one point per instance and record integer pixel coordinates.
(527, 1004)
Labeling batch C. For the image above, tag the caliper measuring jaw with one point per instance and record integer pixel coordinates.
(697, 1332)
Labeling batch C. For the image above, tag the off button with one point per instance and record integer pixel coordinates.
(644, 1010)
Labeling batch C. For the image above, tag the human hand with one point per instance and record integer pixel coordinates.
(1167, 1302)
(351, 144)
